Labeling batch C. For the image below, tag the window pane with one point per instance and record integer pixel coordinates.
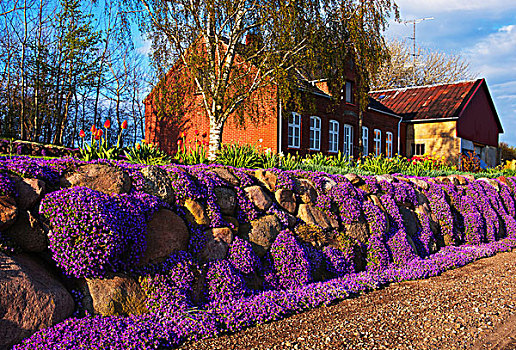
(349, 92)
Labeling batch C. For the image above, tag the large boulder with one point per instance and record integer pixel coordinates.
(217, 244)
(8, 212)
(166, 233)
(99, 177)
(306, 191)
(354, 179)
(259, 197)
(358, 230)
(311, 215)
(30, 192)
(30, 299)
(196, 213)
(157, 183)
(327, 183)
(410, 221)
(226, 199)
(286, 199)
(226, 175)
(27, 232)
(262, 233)
(116, 295)
(268, 178)
(420, 183)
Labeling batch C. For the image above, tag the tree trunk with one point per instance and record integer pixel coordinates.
(22, 71)
(216, 129)
(359, 132)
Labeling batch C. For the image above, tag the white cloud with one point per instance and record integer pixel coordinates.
(144, 46)
(494, 56)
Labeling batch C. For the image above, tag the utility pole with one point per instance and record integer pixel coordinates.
(413, 38)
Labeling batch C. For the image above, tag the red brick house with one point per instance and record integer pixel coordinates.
(446, 119)
(328, 125)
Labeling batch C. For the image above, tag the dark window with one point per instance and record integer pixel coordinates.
(349, 92)
(418, 149)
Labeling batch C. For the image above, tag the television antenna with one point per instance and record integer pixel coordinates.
(413, 38)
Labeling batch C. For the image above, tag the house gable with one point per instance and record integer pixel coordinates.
(478, 120)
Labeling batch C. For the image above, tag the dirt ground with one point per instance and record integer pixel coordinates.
(473, 307)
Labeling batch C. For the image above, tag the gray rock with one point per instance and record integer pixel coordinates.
(196, 213)
(286, 200)
(217, 244)
(226, 200)
(226, 175)
(313, 216)
(420, 183)
(386, 177)
(100, 177)
(30, 192)
(358, 230)
(354, 179)
(158, 183)
(410, 221)
(306, 191)
(267, 178)
(262, 233)
(8, 212)
(259, 197)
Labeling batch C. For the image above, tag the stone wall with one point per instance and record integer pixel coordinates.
(273, 229)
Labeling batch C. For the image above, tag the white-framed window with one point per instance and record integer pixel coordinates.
(377, 142)
(348, 89)
(365, 141)
(334, 136)
(315, 133)
(348, 140)
(388, 144)
(294, 130)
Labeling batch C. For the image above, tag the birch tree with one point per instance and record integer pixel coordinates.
(205, 40)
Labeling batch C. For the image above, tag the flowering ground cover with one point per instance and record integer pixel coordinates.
(305, 266)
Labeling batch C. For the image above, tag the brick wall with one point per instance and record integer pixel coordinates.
(344, 113)
(256, 120)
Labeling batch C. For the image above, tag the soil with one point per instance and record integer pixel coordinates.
(473, 307)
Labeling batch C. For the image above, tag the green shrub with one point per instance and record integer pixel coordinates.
(240, 156)
(147, 153)
(289, 161)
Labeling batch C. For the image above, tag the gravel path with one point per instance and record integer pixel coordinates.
(473, 307)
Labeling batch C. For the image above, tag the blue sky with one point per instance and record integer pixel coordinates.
(482, 31)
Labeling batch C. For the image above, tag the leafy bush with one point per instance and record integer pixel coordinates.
(470, 162)
(147, 153)
(240, 156)
(289, 161)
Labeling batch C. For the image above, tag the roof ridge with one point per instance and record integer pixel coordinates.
(426, 86)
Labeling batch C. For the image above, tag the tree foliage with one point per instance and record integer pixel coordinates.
(232, 51)
(432, 67)
(507, 152)
(64, 65)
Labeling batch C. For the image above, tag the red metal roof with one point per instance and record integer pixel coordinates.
(428, 102)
